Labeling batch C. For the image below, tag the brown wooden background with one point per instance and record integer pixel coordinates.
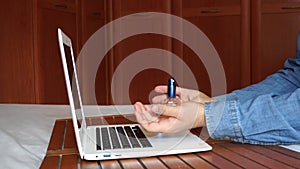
(252, 37)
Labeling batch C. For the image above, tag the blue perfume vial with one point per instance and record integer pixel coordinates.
(172, 100)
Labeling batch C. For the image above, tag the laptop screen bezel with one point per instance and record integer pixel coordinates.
(80, 130)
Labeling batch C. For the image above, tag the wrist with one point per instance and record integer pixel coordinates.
(200, 119)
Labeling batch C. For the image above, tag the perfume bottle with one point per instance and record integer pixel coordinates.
(172, 100)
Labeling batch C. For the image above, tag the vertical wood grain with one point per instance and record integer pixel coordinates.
(16, 52)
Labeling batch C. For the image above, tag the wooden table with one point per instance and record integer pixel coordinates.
(62, 153)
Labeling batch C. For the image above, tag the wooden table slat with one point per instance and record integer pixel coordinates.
(285, 151)
(70, 139)
(236, 158)
(69, 161)
(131, 119)
(98, 121)
(50, 162)
(121, 120)
(111, 164)
(88, 121)
(288, 160)
(109, 120)
(152, 162)
(131, 163)
(217, 160)
(57, 135)
(195, 161)
(254, 156)
(173, 161)
(68, 151)
(89, 164)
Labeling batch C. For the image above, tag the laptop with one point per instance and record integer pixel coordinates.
(105, 142)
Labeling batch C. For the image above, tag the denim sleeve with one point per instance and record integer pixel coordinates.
(262, 120)
(264, 113)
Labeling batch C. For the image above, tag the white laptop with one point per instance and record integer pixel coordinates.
(117, 141)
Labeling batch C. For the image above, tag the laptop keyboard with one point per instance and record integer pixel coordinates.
(121, 137)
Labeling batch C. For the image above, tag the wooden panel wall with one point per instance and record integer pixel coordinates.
(31, 70)
(16, 52)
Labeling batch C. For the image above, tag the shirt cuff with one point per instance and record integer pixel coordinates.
(222, 118)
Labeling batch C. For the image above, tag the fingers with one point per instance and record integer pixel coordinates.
(165, 110)
(143, 113)
(149, 115)
(164, 89)
(159, 99)
(165, 125)
(161, 89)
(184, 94)
(138, 112)
(170, 119)
(151, 122)
(193, 95)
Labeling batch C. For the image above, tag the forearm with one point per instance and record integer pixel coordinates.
(261, 120)
(281, 82)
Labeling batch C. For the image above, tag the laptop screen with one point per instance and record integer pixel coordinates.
(74, 84)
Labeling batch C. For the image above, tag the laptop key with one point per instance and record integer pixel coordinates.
(124, 141)
(132, 138)
(114, 138)
(105, 138)
(141, 136)
(98, 139)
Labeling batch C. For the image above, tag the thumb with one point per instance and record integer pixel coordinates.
(163, 109)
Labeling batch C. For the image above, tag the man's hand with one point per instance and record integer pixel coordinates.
(186, 95)
(171, 119)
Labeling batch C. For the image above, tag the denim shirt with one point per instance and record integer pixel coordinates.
(264, 113)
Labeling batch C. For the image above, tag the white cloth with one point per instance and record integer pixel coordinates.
(25, 130)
